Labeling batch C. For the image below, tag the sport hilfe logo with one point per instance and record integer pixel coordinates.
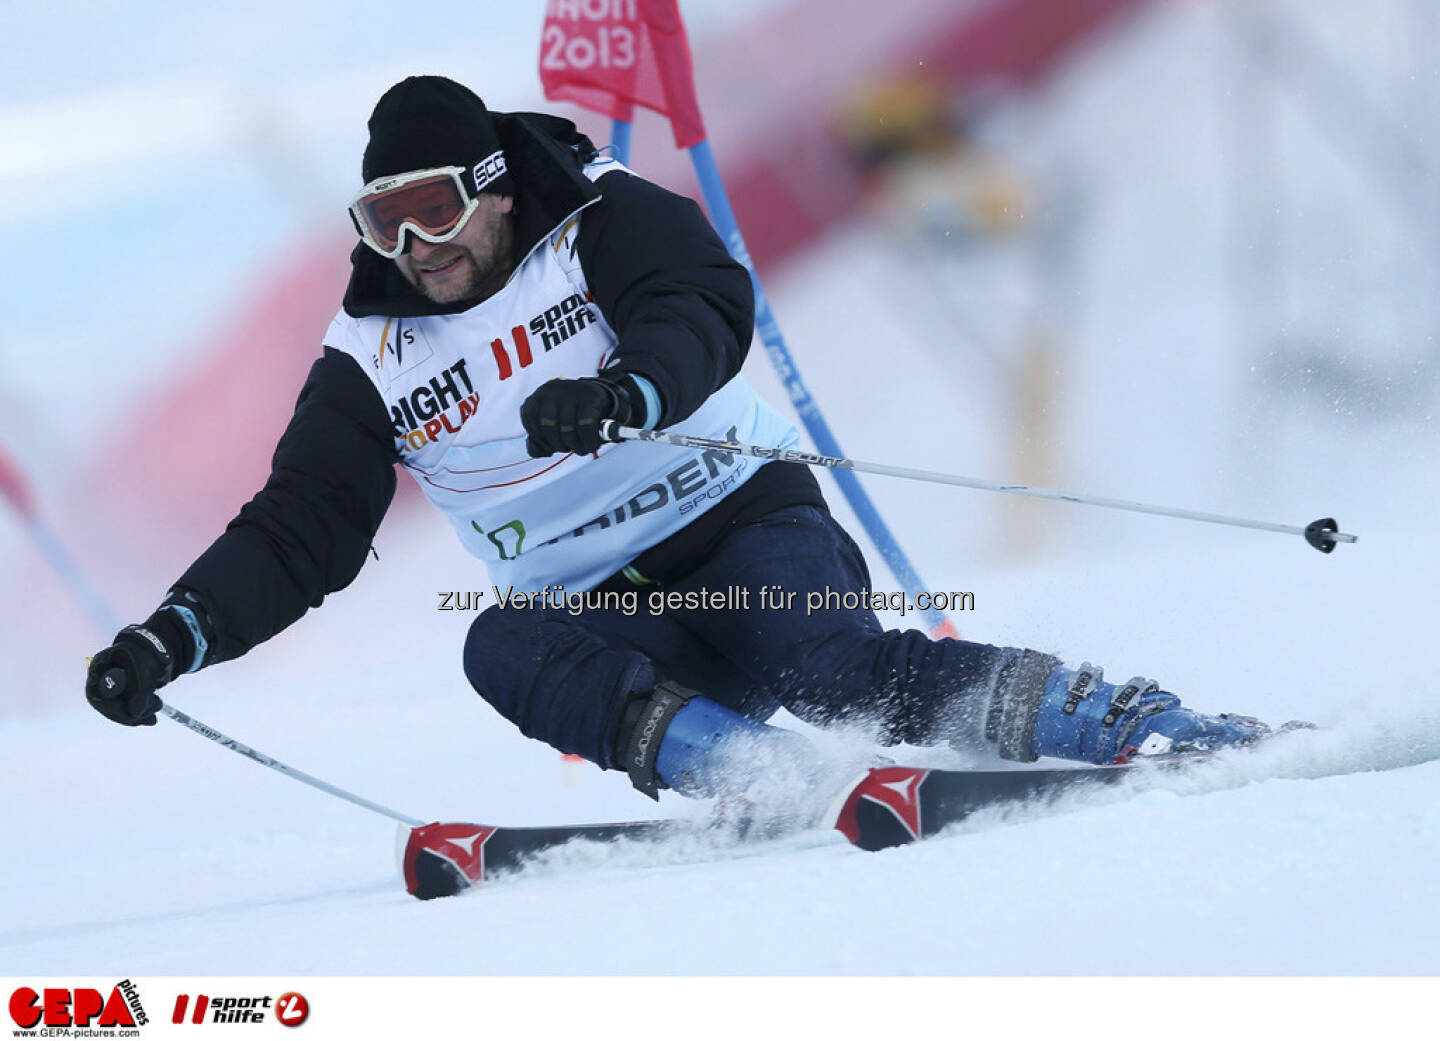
(77, 1007)
(289, 1009)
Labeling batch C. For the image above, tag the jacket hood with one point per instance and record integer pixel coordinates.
(545, 155)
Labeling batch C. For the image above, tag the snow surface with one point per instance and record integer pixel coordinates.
(156, 853)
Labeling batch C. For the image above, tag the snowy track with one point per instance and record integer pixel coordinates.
(182, 860)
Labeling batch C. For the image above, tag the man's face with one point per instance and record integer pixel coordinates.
(472, 266)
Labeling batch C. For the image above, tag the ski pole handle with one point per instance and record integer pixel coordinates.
(1323, 534)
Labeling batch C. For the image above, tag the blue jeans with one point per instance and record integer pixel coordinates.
(565, 678)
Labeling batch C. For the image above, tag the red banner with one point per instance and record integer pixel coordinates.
(607, 55)
(14, 489)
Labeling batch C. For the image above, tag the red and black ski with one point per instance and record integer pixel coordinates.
(444, 859)
(890, 806)
(894, 805)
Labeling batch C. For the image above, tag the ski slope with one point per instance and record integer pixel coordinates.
(154, 852)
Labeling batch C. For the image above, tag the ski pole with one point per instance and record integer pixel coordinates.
(14, 489)
(114, 679)
(1323, 534)
(276, 765)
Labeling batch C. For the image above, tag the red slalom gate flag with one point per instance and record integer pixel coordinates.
(607, 55)
(14, 489)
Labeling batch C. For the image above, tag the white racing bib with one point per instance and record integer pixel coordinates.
(453, 386)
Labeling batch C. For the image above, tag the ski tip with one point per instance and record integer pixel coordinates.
(883, 809)
(444, 859)
(432, 876)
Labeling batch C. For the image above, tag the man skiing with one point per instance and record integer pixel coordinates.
(512, 290)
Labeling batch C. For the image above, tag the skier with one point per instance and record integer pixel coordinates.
(512, 289)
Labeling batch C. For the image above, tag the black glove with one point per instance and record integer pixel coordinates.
(124, 677)
(564, 415)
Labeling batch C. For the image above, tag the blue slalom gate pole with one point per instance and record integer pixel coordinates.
(107, 623)
(15, 489)
(620, 139)
(718, 202)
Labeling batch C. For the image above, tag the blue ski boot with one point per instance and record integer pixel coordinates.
(1039, 707)
(766, 781)
(674, 738)
(1083, 717)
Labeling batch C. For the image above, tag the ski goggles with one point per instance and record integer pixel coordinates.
(432, 204)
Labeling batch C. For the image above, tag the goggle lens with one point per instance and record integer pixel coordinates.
(434, 205)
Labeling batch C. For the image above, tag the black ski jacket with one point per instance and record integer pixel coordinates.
(683, 312)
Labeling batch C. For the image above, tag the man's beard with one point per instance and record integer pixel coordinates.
(483, 279)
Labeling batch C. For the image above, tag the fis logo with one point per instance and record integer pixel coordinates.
(393, 348)
(289, 1009)
(38, 1012)
(402, 347)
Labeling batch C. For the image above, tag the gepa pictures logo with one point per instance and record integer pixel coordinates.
(289, 1009)
(53, 1011)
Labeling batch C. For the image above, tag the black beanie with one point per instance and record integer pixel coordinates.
(429, 121)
